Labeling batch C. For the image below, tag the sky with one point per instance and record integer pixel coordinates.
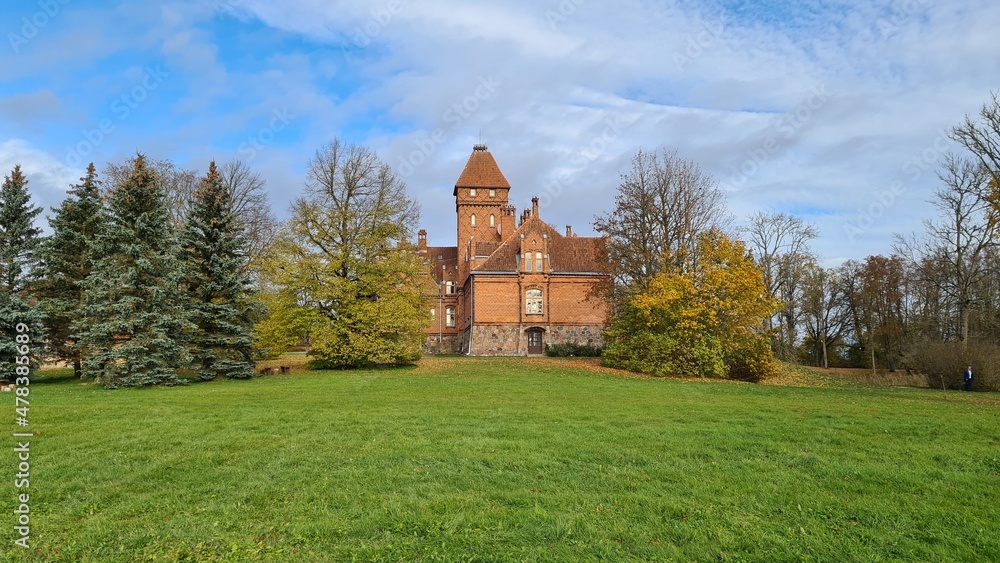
(837, 112)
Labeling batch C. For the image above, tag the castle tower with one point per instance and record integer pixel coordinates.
(485, 218)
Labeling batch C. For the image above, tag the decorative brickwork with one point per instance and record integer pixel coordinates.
(514, 287)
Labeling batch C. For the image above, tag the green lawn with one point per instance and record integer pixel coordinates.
(505, 460)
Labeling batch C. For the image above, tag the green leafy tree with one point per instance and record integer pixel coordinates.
(222, 303)
(19, 242)
(701, 318)
(340, 270)
(134, 319)
(66, 263)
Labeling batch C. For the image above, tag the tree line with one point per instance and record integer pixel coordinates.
(154, 275)
(153, 271)
(932, 305)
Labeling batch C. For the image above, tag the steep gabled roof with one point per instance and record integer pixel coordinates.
(566, 254)
(578, 254)
(481, 171)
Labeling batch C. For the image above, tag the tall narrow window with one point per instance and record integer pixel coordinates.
(533, 302)
(472, 192)
(527, 261)
(433, 313)
(493, 221)
(449, 317)
(473, 219)
(493, 193)
(449, 288)
(538, 261)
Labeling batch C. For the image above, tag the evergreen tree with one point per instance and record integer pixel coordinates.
(222, 303)
(19, 241)
(66, 263)
(134, 318)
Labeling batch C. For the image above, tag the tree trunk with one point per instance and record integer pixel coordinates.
(963, 315)
(825, 362)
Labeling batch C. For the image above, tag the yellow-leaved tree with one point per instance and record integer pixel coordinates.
(701, 317)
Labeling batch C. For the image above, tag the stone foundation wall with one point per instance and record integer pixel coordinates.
(511, 340)
(584, 335)
(498, 340)
(449, 344)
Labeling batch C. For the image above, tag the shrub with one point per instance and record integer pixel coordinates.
(943, 363)
(751, 360)
(566, 349)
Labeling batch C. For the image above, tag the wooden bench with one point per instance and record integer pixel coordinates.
(266, 371)
(285, 369)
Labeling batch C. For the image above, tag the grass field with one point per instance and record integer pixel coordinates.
(506, 460)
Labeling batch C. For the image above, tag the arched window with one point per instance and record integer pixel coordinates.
(538, 261)
(493, 221)
(533, 302)
(473, 219)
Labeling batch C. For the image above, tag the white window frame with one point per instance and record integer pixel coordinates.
(449, 317)
(534, 302)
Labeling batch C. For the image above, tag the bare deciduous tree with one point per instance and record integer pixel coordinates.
(780, 243)
(952, 254)
(826, 316)
(663, 203)
(251, 207)
(246, 189)
(982, 139)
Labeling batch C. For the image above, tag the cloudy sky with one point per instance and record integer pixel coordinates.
(835, 111)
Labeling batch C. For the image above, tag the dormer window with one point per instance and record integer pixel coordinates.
(472, 192)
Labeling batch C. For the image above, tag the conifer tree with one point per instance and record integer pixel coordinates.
(134, 318)
(222, 303)
(66, 263)
(19, 241)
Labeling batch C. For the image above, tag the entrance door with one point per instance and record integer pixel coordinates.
(535, 341)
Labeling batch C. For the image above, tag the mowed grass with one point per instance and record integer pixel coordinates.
(465, 459)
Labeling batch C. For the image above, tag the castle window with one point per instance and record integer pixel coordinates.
(493, 221)
(538, 261)
(493, 193)
(449, 288)
(473, 219)
(472, 192)
(527, 261)
(533, 302)
(449, 316)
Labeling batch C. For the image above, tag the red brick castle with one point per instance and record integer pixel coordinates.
(511, 285)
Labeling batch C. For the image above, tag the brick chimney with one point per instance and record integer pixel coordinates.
(569, 231)
(534, 206)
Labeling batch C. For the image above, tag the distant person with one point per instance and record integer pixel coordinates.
(967, 376)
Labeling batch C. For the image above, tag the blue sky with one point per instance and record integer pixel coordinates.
(834, 111)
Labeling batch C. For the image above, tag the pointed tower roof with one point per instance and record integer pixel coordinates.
(481, 171)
